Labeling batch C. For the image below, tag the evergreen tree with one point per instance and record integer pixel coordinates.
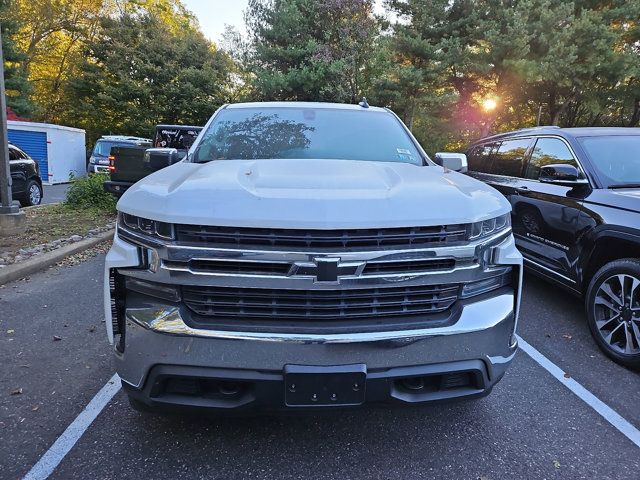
(18, 87)
(311, 49)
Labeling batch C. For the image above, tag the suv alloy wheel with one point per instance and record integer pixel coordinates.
(33, 195)
(613, 310)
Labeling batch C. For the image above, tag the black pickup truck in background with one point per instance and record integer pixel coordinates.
(127, 165)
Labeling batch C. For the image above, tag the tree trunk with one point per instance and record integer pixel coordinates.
(635, 118)
(411, 114)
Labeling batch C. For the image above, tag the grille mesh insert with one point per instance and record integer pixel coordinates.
(231, 237)
(309, 305)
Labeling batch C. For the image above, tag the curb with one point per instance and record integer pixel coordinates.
(33, 265)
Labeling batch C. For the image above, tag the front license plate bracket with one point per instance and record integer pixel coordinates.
(311, 386)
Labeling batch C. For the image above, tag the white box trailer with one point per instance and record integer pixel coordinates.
(58, 150)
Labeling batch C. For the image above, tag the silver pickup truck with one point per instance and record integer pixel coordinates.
(308, 255)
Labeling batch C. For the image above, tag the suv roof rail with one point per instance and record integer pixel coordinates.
(513, 132)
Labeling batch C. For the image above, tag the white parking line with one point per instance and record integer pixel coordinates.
(65, 442)
(609, 414)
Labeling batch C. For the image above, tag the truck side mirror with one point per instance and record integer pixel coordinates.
(452, 161)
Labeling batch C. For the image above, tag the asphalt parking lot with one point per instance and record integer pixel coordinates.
(54, 193)
(55, 358)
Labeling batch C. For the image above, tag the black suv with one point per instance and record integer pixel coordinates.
(575, 194)
(25, 177)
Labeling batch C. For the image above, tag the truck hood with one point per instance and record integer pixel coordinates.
(316, 194)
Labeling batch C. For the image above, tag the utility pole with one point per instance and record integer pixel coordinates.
(11, 219)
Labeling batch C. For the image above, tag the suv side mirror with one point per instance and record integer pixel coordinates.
(157, 158)
(452, 161)
(562, 174)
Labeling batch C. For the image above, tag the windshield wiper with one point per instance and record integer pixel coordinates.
(625, 185)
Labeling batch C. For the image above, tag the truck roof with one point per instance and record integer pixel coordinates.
(316, 105)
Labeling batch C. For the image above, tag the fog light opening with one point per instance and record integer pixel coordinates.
(413, 383)
(229, 388)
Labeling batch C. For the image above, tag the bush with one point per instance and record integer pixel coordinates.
(87, 192)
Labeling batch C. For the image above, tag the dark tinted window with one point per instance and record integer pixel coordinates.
(481, 157)
(21, 154)
(306, 133)
(509, 159)
(548, 151)
(179, 138)
(13, 154)
(103, 147)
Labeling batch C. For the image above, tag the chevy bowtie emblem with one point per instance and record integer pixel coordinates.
(326, 269)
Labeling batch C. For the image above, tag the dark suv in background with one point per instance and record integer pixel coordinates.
(575, 195)
(25, 177)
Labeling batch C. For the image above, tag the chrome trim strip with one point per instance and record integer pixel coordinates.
(534, 137)
(478, 316)
(548, 270)
(575, 157)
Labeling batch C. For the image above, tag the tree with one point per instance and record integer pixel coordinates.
(50, 36)
(136, 74)
(311, 49)
(576, 60)
(576, 57)
(17, 84)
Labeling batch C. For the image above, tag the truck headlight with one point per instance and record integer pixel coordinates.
(153, 228)
(490, 227)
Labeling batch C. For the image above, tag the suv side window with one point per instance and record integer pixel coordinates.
(549, 151)
(13, 154)
(510, 157)
(481, 157)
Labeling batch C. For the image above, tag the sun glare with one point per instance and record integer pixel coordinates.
(489, 104)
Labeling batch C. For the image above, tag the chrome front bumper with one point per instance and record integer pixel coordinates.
(158, 337)
(484, 332)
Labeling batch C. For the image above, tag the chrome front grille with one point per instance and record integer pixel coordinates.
(405, 237)
(325, 305)
(241, 278)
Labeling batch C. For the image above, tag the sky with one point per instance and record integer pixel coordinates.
(213, 15)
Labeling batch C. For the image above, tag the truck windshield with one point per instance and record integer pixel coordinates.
(305, 133)
(616, 158)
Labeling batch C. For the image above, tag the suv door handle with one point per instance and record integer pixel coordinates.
(522, 189)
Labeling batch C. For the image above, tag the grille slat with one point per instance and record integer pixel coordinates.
(231, 237)
(248, 303)
(410, 266)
